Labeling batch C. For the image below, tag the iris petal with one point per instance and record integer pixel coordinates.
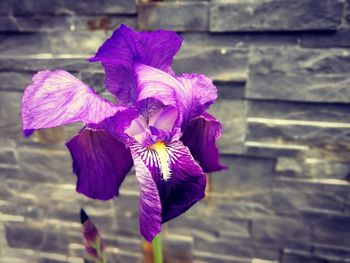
(186, 183)
(57, 98)
(200, 137)
(100, 162)
(192, 94)
(150, 204)
(125, 47)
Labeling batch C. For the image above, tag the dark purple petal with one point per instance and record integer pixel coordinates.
(185, 187)
(57, 98)
(150, 205)
(180, 180)
(200, 136)
(192, 94)
(125, 47)
(100, 162)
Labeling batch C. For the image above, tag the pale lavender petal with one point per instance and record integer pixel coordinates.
(200, 137)
(164, 119)
(100, 162)
(57, 98)
(150, 205)
(125, 47)
(192, 94)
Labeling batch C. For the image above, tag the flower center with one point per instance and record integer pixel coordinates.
(163, 159)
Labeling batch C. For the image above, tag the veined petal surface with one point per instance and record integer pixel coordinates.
(57, 98)
(100, 162)
(200, 137)
(126, 47)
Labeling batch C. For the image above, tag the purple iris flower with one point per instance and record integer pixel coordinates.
(159, 124)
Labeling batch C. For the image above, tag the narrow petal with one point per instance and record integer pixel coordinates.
(125, 47)
(200, 136)
(192, 94)
(57, 98)
(180, 180)
(100, 162)
(150, 204)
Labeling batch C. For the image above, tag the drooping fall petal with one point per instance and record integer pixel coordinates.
(200, 137)
(150, 205)
(125, 47)
(179, 179)
(57, 98)
(100, 162)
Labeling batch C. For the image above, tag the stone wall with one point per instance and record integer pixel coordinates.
(282, 71)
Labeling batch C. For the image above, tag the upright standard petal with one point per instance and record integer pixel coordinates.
(57, 98)
(180, 180)
(200, 137)
(150, 204)
(192, 94)
(100, 162)
(125, 47)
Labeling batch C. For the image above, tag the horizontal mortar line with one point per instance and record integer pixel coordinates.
(283, 122)
(277, 146)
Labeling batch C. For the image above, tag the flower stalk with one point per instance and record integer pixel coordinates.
(157, 249)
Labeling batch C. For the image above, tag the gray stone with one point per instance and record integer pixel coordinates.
(59, 7)
(340, 38)
(44, 23)
(245, 175)
(328, 228)
(15, 81)
(10, 124)
(280, 229)
(289, 256)
(234, 39)
(67, 62)
(331, 251)
(295, 74)
(179, 16)
(271, 131)
(231, 114)
(224, 226)
(51, 45)
(274, 15)
(313, 168)
(290, 196)
(202, 256)
(178, 248)
(299, 111)
(34, 237)
(219, 64)
(45, 165)
(8, 156)
(230, 90)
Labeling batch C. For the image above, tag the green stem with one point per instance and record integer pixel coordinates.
(157, 249)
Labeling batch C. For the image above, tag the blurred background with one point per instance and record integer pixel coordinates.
(282, 72)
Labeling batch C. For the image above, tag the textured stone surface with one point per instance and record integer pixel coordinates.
(244, 175)
(221, 64)
(59, 7)
(232, 140)
(45, 23)
(274, 15)
(305, 75)
(340, 38)
(185, 16)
